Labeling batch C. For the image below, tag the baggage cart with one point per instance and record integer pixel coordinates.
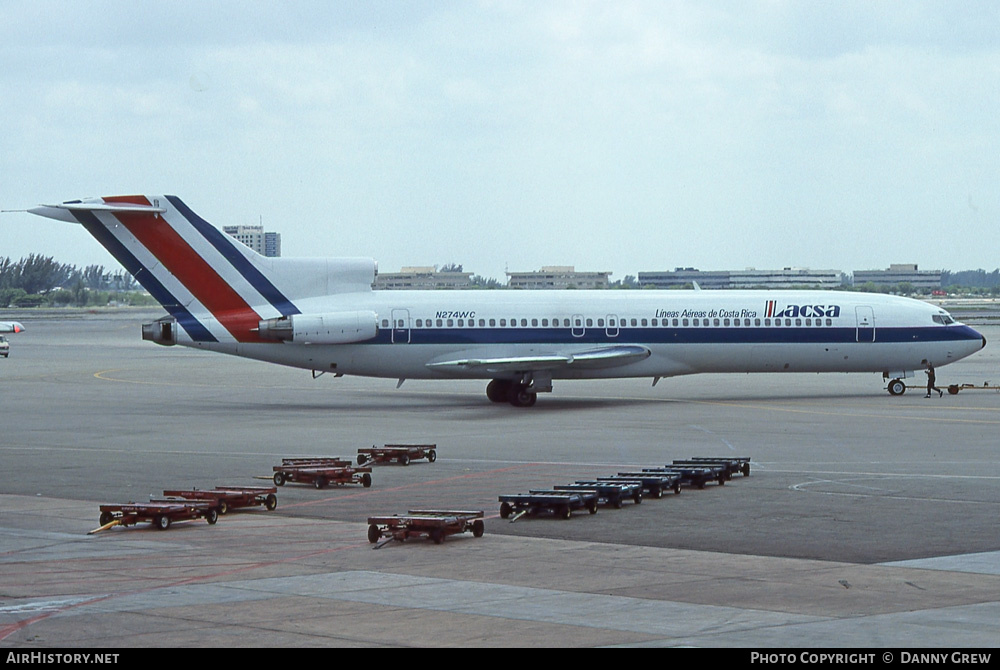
(610, 493)
(560, 503)
(435, 524)
(230, 497)
(160, 514)
(399, 453)
(321, 475)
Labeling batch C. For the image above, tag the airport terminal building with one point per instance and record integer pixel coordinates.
(900, 273)
(743, 279)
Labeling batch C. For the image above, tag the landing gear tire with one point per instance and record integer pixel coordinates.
(498, 390)
(519, 396)
(896, 387)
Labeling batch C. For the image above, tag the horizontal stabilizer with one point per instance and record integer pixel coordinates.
(64, 211)
(605, 357)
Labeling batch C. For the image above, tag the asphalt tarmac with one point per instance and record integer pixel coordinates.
(867, 520)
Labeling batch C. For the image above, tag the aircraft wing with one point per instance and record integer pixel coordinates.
(602, 357)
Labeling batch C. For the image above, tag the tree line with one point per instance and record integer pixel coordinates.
(38, 280)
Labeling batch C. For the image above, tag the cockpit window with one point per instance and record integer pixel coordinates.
(943, 319)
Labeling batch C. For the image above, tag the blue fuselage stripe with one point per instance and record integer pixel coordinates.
(709, 335)
(225, 247)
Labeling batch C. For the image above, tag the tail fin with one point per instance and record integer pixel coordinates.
(216, 288)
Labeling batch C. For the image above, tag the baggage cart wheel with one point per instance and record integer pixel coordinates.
(374, 533)
(223, 507)
(657, 493)
(565, 512)
(432, 456)
(162, 522)
(505, 510)
(279, 478)
(722, 480)
(362, 459)
(404, 459)
(319, 482)
(271, 502)
(437, 536)
(366, 480)
(617, 504)
(106, 518)
(746, 466)
(593, 507)
(212, 517)
(637, 498)
(677, 489)
(478, 528)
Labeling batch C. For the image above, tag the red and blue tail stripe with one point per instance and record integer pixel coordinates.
(135, 267)
(205, 280)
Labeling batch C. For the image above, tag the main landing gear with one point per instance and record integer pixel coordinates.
(896, 387)
(516, 393)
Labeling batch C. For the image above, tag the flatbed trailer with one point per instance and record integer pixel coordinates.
(560, 503)
(953, 389)
(327, 461)
(435, 524)
(160, 514)
(230, 497)
(399, 453)
(739, 464)
(693, 476)
(610, 493)
(653, 483)
(321, 475)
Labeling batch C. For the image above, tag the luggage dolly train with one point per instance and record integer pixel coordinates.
(562, 500)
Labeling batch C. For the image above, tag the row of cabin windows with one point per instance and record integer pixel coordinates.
(611, 323)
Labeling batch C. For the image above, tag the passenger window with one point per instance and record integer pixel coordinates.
(685, 323)
(545, 323)
(590, 323)
(756, 322)
(385, 323)
(725, 322)
(635, 323)
(493, 322)
(644, 323)
(534, 323)
(503, 322)
(600, 323)
(451, 322)
(461, 322)
(524, 323)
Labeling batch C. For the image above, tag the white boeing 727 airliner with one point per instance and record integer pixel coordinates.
(322, 315)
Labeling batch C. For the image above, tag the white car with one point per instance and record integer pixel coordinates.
(4, 347)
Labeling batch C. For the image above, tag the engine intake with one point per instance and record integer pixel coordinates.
(332, 328)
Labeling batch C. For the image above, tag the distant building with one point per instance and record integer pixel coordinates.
(416, 278)
(558, 277)
(900, 273)
(743, 279)
(267, 244)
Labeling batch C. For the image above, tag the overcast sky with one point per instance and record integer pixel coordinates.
(621, 136)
